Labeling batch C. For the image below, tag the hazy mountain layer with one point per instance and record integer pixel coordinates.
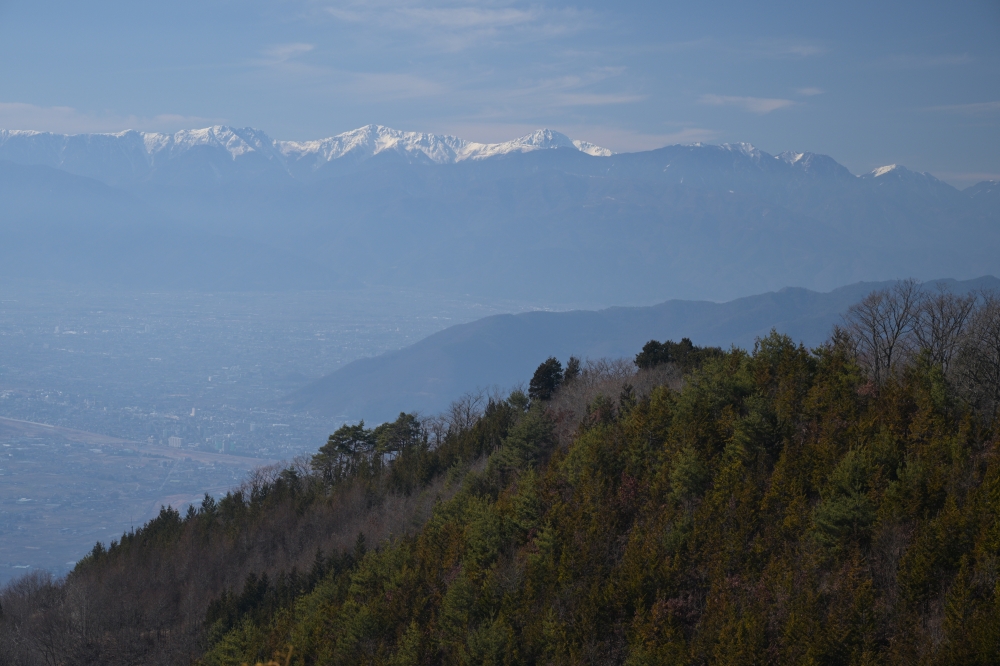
(540, 218)
(502, 350)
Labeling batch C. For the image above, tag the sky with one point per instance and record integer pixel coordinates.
(913, 83)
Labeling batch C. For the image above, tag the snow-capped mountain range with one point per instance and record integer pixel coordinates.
(132, 154)
(538, 217)
(437, 148)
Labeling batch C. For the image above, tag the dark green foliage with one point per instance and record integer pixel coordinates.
(162, 530)
(344, 452)
(685, 354)
(771, 512)
(846, 513)
(401, 434)
(573, 368)
(547, 378)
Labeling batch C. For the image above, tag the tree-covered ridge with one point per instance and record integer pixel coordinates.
(165, 592)
(838, 505)
(774, 510)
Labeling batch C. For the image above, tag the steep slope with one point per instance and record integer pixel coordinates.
(503, 349)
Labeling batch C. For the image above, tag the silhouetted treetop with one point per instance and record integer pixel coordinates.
(546, 380)
(685, 354)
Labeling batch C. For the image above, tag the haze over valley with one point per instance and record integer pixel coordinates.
(125, 371)
(495, 332)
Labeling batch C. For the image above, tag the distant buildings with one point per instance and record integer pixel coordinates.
(175, 442)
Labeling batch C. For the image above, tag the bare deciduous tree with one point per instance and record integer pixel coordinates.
(605, 377)
(940, 324)
(979, 358)
(960, 334)
(881, 327)
(465, 411)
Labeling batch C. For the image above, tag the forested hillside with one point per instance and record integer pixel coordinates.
(785, 505)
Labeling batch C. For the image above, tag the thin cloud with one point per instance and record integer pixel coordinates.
(285, 52)
(919, 61)
(461, 26)
(783, 48)
(414, 17)
(595, 99)
(690, 135)
(974, 109)
(566, 91)
(286, 60)
(810, 92)
(804, 50)
(760, 105)
(386, 86)
(470, 18)
(67, 120)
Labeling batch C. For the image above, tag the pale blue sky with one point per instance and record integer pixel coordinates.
(914, 83)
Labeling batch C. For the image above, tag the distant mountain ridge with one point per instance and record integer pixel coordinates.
(501, 350)
(110, 157)
(541, 218)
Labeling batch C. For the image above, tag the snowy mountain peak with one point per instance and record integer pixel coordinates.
(196, 154)
(133, 156)
(899, 173)
(236, 142)
(747, 149)
(138, 152)
(544, 138)
(592, 149)
(899, 177)
(371, 140)
(790, 157)
(814, 164)
(883, 170)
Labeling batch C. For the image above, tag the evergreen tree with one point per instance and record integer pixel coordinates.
(546, 380)
(572, 369)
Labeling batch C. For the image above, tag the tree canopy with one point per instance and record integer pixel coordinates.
(547, 378)
(685, 354)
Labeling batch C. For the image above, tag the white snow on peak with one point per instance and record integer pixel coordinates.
(790, 157)
(237, 142)
(591, 149)
(538, 140)
(743, 148)
(138, 151)
(899, 173)
(9, 134)
(883, 170)
(371, 140)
